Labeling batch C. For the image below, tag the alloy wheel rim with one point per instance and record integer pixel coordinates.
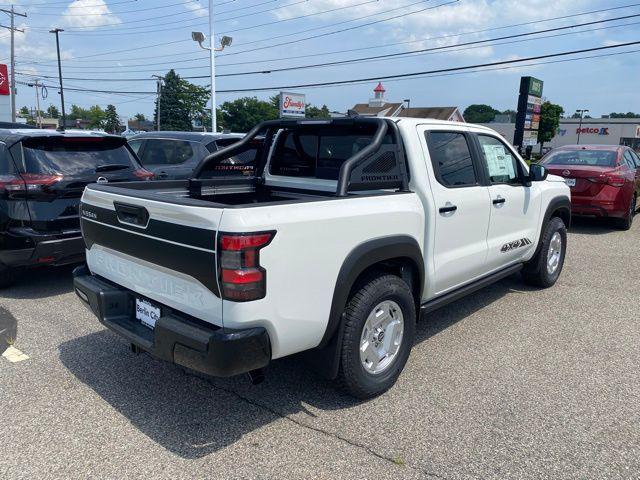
(554, 254)
(381, 337)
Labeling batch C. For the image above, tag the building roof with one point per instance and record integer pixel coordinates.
(439, 113)
(379, 88)
(387, 108)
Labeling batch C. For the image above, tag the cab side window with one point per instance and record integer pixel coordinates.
(451, 159)
(502, 166)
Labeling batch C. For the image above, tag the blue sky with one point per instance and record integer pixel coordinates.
(109, 41)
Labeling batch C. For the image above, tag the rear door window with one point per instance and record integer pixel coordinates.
(75, 156)
(451, 159)
(166, 152)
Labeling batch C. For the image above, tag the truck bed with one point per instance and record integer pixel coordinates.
(218, 193)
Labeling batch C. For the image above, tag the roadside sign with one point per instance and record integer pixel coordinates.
(4, 80)
(292, 105)
(529, 108)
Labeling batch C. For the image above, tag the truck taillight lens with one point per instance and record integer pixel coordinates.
(241, 277)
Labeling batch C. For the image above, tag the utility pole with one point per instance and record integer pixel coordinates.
(159, 91)
(581, 112)
(64, 116)
(212, 52)
(12, 28)
(38, 118)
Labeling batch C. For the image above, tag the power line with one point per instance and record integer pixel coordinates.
(391, 55)
(112, 13)
(501, 63)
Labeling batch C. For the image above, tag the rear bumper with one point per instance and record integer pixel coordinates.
(610, 202)
(43, 248)
(176, 338)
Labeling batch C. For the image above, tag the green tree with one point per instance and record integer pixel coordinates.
(96, 117)
(512, 115)
(242, 114)
(181, 102)
(480, 113)
(317, 112)
(140, 117)
(624, 115)
(53, 111)
(77, 113)
(111, 120)
(550, 114)
(24, 112)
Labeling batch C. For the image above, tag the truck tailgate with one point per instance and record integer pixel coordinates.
(155, 249)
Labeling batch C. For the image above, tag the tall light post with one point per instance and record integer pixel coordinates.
(64, 116)
(224, 42)
(12, 28)
(581, 112)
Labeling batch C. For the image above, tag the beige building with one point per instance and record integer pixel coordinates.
(379, 107)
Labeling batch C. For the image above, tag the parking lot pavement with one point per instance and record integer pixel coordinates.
(511, 382)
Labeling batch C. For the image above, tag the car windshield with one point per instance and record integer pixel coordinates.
(591, 158)
(73, 157)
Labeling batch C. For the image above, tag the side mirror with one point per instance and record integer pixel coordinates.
(537, 173)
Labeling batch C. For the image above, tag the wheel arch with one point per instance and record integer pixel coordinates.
(397, 254)
(558, 207)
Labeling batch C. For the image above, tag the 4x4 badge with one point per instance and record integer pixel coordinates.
(523, 242)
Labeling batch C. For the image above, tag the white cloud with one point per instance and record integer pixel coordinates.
(89, 14)
(196, 8)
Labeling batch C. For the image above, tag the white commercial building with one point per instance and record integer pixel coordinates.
(594, 131)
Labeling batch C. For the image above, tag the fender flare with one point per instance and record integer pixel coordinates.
(562, 204)
(358, 260)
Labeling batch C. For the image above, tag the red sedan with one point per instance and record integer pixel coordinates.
(604, 180)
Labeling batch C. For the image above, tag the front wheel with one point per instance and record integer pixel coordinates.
(379, 332)
(544, 269)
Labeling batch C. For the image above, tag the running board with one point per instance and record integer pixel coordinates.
(461, 292)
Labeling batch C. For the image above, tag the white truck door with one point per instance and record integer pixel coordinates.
(515, 208)
(461, 217)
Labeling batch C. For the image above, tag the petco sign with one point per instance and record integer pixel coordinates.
(292, 104)
(593, 131)
(4, 80)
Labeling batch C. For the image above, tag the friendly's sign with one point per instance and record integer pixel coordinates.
(292, 105)
(4, 80)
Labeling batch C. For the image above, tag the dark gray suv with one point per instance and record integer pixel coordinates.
(174, 155)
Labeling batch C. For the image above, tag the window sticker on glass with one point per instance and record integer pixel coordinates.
(499, 161)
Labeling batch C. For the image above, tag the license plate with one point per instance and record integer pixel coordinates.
(147, 314)
(570, 182)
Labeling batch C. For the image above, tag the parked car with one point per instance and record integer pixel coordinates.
(42, 176)
(174, 155)
(604, 180)
(349, 229)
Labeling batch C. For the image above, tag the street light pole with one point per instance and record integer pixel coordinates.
(212, 52)
(64, 116)
(159, 91)
(581, 112)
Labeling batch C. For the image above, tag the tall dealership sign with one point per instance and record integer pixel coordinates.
(5, 99)
(529, 108)
(292, 105)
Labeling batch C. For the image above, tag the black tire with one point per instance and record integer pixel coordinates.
(535, 271)
(7, 277)
(352, 376)
(626, 222)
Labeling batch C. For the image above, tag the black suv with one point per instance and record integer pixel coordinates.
(42, 177)
(174, 155)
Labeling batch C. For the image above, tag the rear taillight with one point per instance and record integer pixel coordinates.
(609, 178)
(143, 174)
(27, 182)
(241, 277)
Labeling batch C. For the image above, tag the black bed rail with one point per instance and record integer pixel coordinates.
(270, 127)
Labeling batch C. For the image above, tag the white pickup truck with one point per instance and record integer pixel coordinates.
(346, 231)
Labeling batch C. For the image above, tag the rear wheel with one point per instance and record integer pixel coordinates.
(626, 222)
(7, 276)
(544, 269)
(379, 332)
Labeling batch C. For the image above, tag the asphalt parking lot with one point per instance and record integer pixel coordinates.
(510, 382)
